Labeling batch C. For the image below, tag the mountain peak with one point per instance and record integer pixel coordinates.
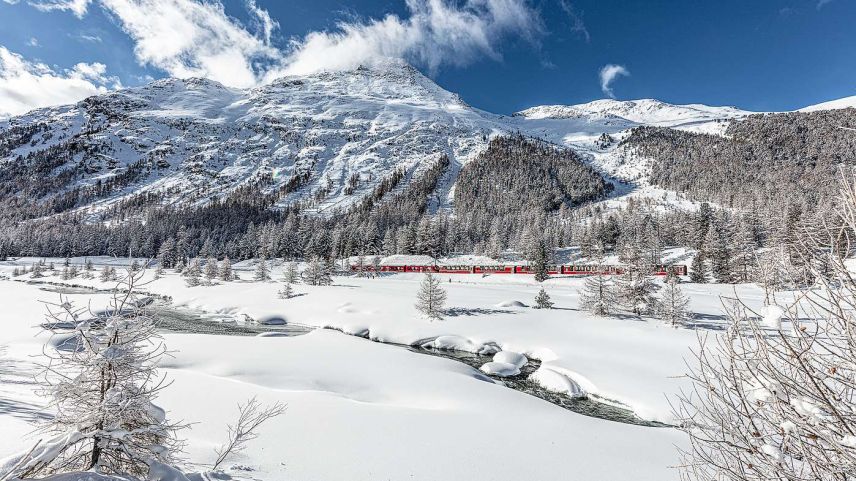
(641, 112)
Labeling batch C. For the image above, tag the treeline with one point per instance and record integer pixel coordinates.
(778, 166)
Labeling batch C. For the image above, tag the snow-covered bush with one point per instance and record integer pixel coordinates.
(774, 397)
(103, 388)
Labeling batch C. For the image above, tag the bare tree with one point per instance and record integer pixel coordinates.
(673, 306)
(102, 385)
(251, 415)
(774, 398)
(598, 295)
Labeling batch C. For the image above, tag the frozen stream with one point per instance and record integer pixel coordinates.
(185, 320)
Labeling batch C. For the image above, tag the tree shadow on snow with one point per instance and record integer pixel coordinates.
(475, 311)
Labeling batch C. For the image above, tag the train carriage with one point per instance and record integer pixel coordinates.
(565, 269)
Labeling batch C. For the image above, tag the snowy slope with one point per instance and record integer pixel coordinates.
(324, 140)
(635, 112)
(843, 103)
(198, 140)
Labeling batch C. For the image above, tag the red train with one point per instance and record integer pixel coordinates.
(658, 270)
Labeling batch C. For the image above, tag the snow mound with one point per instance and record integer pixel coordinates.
(458, 343)
(555, 381)
(511, 304)
(773, 317)
(501, 369)
(511, 357)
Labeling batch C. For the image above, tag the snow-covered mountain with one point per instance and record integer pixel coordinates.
(635, 112)
(843, 103)
(328, 136)
(326, 140)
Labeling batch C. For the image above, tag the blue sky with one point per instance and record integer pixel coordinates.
(500, 55)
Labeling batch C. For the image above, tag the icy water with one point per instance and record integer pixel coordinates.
(587, 406)
(180, 319)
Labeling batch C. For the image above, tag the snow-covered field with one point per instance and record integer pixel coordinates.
(359, 409)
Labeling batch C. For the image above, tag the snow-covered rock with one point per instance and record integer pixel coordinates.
(501, 369)
(511, 357)
(556, 380)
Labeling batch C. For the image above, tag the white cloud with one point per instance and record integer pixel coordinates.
(89, 37)
(187, 38)
(822, 3)
(33, 42)
(26, 85)
(77, 7)
(435, 33)
(608, 74)
(195, 38)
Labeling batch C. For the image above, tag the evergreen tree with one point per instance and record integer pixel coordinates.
(635, 291)
(226, 274)
(193, 272)
(211, 269)
(542, 300)
(317, 273)
(287, 292)
(673, 306)
(37, 271)
(290, 275)
(698, 269)
(166, 253)
(262, 271)
(598, 295)
(431, 297)
(539, 263)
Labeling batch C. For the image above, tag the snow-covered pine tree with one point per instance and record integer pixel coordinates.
(673, 305)
(542, 300)
(635, 291)
(539, 262)
(598, 295)
(742, 252)
(193, 272)
(286, 292)
(290, 275)
(87, 265)
(262, 272)
(135, 266)
(179, 265)
(716, 252)
(225, 272)
(698, 269)
(105, 274)
(37, 271)
(211, 269)
(375, 266)
(317, 272)
(431, 298)
(103, 393)
(166, 253)
(361, 266)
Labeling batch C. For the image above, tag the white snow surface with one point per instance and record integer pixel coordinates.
(362, 410)
(843, 103)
